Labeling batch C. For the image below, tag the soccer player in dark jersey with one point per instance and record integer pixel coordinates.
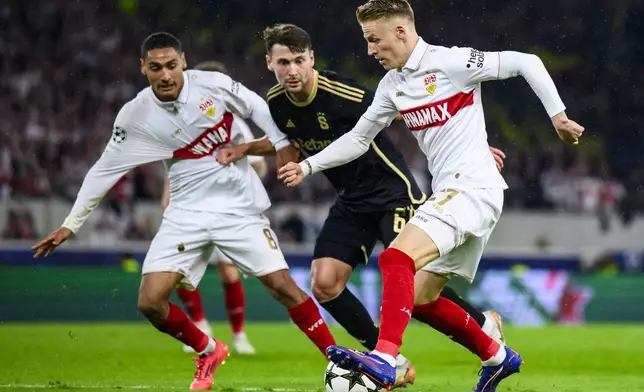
(376, 193)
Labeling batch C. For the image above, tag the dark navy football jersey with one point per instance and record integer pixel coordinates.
(379, 179)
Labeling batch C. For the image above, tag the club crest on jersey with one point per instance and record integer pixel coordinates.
(208, 107)
(430, 83)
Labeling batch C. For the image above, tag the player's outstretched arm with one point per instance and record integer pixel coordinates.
(343, 150)
(531, 68)
(349, 146)
(468, 67)
(98, 181)
(127, 149)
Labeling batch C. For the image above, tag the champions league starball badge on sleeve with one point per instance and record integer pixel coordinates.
(119, 135)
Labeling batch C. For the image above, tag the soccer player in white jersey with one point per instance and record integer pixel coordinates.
(234, 296)
(437, 91)
(182, 119)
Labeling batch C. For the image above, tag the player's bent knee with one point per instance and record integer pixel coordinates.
(154, 293)
(152, 307)
(228, 273)
(329, 277)
(325, 289)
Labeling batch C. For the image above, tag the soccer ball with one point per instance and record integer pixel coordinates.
(340, 380)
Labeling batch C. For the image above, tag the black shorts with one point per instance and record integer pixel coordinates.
(351, 236)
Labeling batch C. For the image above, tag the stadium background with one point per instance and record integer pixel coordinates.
(568, 248)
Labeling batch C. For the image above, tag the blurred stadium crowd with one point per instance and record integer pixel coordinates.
(67, 66)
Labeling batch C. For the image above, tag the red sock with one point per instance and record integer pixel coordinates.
(448, 318)
(179, 326)
(191, 299)
(307, 317)
(398, 271)
(235, 303)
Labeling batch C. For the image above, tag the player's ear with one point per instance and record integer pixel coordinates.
(268, 63)
(313, 57)
(401, 31)
(142, 66)
(184, 63)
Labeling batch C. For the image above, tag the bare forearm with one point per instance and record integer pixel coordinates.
(260, 147)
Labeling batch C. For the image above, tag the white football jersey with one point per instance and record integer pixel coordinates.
(438, 95)
(186, 135)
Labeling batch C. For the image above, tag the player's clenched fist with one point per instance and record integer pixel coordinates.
(568, 130)
(291, 174)
(226, 155)
(49, 243)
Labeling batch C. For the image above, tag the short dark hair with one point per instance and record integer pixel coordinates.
(289, 35)
(379, 9)
(160, 40)
(216, 66)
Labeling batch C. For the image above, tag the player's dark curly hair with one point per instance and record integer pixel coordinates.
(289, 35)
(160, 40)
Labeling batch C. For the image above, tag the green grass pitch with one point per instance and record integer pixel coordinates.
(125, 357)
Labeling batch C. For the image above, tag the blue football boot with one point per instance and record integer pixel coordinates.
(491, 376)
(372, 366)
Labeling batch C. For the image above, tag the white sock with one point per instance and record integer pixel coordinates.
(400, 360)
(240, 335)
(496, 359)
(390, 360)
(488, 325)
(210, 347)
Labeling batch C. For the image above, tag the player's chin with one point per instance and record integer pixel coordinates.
(385, 64)
(167, 94)
(294, 88)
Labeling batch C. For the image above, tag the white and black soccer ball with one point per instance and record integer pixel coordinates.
(340, 380)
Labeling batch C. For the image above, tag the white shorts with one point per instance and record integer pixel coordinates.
(218, 257)
(186, 240)
(460, 223)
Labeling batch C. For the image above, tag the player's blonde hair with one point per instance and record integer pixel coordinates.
(380, 9)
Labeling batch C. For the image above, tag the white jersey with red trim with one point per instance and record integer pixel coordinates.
(438, 94)
(185, 134)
